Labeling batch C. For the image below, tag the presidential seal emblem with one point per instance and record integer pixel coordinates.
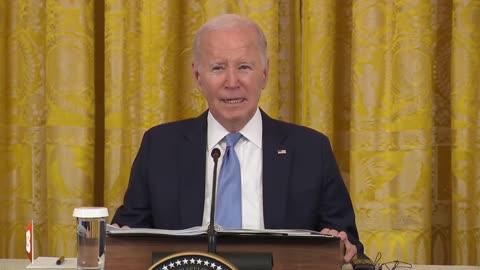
(193, 261)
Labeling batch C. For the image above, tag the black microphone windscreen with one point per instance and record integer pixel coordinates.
(215, 153)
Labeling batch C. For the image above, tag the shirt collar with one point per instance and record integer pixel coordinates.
(251, 131)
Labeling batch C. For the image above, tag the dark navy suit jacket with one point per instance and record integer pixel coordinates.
(302, 189)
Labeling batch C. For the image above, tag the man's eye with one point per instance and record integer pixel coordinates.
(216, 68)
(243, 67)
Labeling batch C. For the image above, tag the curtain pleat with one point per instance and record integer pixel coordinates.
(465, 117)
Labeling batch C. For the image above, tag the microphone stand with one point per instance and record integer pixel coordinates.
(212, 234)
(247, 260)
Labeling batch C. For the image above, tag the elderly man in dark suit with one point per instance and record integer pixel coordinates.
(288, 176)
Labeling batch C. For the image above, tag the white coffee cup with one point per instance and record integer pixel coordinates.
(91, 237)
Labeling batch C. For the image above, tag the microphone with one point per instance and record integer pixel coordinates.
(212, 234)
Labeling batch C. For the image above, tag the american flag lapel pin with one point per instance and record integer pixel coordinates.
(281, 152)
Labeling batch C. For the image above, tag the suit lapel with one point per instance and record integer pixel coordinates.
(277, 158)
(191, 159)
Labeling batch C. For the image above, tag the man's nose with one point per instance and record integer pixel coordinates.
(232, 78)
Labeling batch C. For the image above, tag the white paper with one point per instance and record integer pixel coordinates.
(202, 230)
(51, 263)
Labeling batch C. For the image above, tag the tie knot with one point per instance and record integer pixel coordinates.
(232, 138)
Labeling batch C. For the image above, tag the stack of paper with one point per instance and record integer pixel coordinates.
(202, 230)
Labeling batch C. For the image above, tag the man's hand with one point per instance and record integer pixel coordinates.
(123, 227)
(350, 249)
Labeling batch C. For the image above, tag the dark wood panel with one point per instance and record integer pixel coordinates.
(288, 253)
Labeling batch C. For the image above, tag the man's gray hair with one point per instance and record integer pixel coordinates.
(225, 22)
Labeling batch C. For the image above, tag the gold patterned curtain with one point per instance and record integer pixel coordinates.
(47, 122)
(394, 84)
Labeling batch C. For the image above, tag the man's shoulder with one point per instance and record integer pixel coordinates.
(179, 126)
(174, 125)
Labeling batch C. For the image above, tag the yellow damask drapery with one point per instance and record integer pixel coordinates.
(394, 84)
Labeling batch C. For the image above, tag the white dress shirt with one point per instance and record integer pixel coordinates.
(250, 155)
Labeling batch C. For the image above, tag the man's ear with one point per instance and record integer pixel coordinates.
(266, 73)
(196, 75)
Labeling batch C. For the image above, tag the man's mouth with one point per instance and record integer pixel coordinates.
(233, 100)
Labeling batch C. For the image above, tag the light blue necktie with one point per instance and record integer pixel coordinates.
(228, 213)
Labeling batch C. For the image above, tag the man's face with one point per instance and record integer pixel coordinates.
(231, 75)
